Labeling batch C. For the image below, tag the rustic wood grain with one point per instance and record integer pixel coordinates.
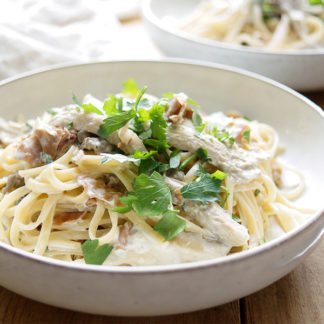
(298, 298)
(16, 309)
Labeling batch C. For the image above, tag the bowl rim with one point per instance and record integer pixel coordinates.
(149, 15)
(169, 268)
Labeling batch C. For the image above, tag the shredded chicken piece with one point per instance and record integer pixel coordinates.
(123, 234)
(52, 141)
(96, 188)
(14, 181)
(89, 142)
(217, 221)
(176, 108)
(67, 217)
(241, 165)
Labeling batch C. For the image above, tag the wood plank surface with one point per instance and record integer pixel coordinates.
(296, 298)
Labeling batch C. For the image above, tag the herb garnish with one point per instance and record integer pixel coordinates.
(93, 254)
(170, 225)
(256, 192)
(236, 218)
(206, 189)
(152, 197)
(246, 135)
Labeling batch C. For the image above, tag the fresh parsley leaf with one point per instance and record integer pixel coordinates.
(158, 123)
(146, 134)
(175, 159)
(90, 108)
(148, 165)
(122, 210)
(206, 189)
(154, 195)
(157, 144)
(256, 192)
(75, 99)
(143, 155)
(227, 193)
(130, 89)
(219, 175)
(262, 241)
(202, 155)
(94, 255)
(193, 103)
(110, 106)
(52, 112)
(170, 225)
(163, 167)
(197, 122)
(140, 95)
(316, 2)
(69, 126)
(168, 95)
(187, 161)
(47, 159)
(246, 135)
(223, 136)
(201, 171)
(29, 126)
(113, 123)
(236, 218)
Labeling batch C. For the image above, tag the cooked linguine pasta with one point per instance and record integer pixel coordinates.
(137, 180)
(264, 24)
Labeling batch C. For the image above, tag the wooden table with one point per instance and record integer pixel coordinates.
(298, 298)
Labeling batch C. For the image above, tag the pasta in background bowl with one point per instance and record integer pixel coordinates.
(287, 49)
(133, 289)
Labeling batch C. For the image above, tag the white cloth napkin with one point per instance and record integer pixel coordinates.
(36, 33)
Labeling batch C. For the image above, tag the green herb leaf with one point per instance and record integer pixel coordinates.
(170, 225)
(29, 126)
(187, 161)
(122, 210)
(148, 165)
(175, 159)
(256, 192)
(154, 195)
(130, 89)
(47, 159)
(140, 95)
(146, 134)
(262, 241)
(202, 155)
(197, 122)
(110, 106)
(91, 109)
(94, 255)
(201, 171)
(75, 99)
(246, 135)
(113, 123)
(69, 126)
(52, 112)
(157, 144)
(236, 218)
(219, 175)
(206, 190)
(143, 155)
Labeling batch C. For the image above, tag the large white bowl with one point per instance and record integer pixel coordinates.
(299, 69)
(158, 290)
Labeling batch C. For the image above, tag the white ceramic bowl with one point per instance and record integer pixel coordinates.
(158, 290)
(299, 69)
